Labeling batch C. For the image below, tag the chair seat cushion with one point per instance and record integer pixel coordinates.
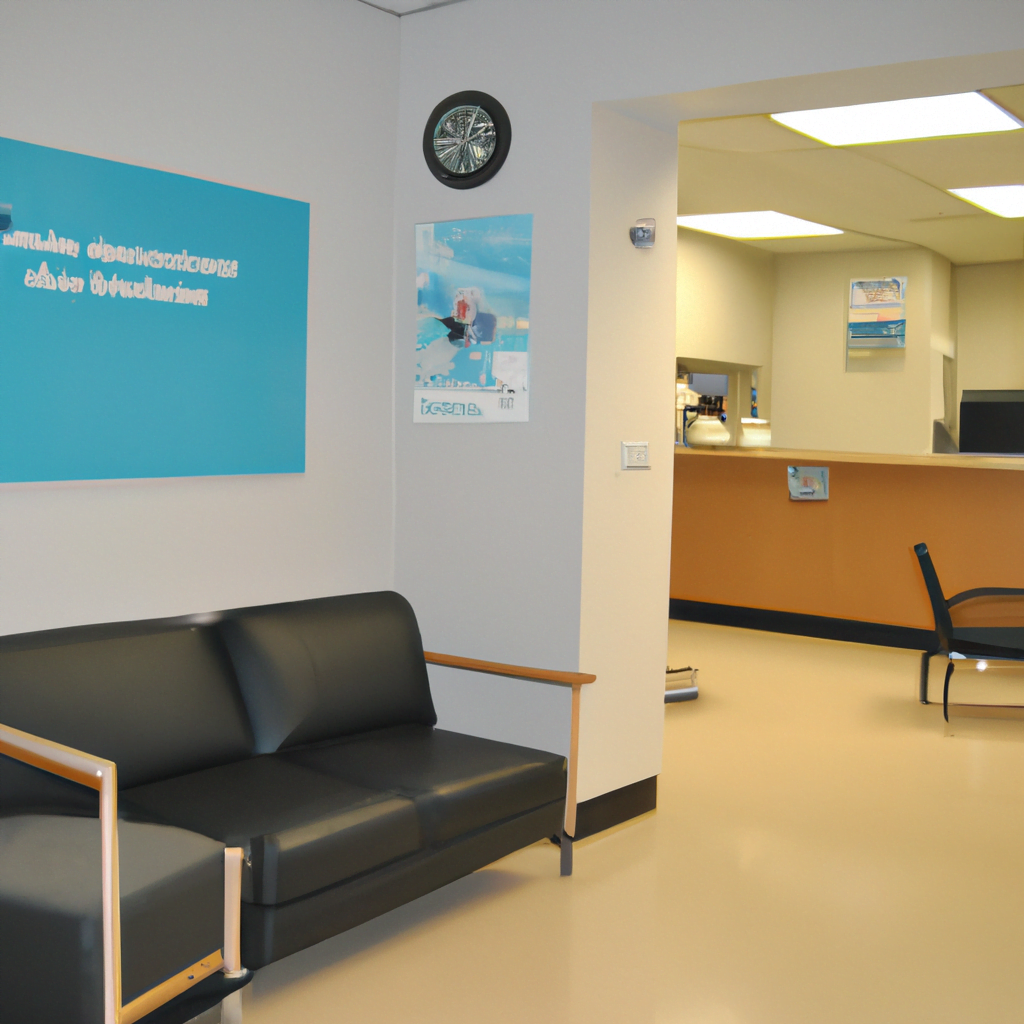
(301, 831)
(459, 783)
(51, 920)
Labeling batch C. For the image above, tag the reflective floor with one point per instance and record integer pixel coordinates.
(825, 849)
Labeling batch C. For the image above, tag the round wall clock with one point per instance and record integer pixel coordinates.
(466, 139)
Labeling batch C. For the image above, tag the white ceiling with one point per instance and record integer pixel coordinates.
(401, 7)
(885, 195)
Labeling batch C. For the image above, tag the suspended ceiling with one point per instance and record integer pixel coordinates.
(881, 196)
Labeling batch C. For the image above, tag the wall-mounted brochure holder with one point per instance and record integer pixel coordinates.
(877, 315)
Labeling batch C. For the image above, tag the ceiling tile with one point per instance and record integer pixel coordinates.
(881, 196)
(962, 162)
(1010, 97)
(756, 134)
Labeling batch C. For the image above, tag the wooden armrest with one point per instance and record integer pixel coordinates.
(543, 675)
(499, 668)
(54, 757)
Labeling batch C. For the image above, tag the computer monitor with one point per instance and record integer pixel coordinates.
(710, 384)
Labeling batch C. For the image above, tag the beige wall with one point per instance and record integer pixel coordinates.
(627, 515)
(990, 325)
(884, 402)
(723, 299)
(787, 314)
(943, 338)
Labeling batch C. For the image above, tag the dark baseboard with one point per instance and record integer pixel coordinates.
(825, 627)
(613, 808)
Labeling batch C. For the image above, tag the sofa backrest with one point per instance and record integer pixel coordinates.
(314, 670)
(159, 701)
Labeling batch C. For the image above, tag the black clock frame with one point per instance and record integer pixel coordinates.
(502, 127)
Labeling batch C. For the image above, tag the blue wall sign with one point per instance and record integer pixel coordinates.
(151, 324)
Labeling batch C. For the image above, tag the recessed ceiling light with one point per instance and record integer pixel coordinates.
(1002, 200)
(927, 117)
(755, 224)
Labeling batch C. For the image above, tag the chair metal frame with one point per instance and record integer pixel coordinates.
(100, 774)
(948, 643)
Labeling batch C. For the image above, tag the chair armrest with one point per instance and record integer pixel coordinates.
(574, 679)
(970, 595)
(498, 668)
(55, 757)
(96, 773)
(987, 607)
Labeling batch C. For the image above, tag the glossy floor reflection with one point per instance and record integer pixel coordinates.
(825, 849)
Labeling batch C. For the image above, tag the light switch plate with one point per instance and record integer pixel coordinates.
(635, 455)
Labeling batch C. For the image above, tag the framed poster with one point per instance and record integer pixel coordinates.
(473, 320)
(878, 313)
(154, 325)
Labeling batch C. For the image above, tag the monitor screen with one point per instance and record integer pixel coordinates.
(711, 384)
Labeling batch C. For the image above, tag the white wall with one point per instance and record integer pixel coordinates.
(990, 326)
(296, 99)
(490, 519)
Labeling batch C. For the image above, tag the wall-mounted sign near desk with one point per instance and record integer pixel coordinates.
(808, 483)
(878, 314)
(153, 324)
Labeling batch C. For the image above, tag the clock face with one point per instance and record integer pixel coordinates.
(466, 139)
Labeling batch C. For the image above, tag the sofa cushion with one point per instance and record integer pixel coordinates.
(301, 831)
(459, 783)
(313, 670)
(157, 703)
(51, 921)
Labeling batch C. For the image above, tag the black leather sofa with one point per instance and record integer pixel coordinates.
(302, 732)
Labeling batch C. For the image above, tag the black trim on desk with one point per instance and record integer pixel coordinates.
(615, 807)
(881, 634)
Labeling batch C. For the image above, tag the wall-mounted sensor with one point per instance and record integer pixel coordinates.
(642, 236)
(5, 216)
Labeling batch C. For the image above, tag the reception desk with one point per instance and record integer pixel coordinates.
(739, 541)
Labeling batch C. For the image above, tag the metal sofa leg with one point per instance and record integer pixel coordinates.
(923, 687)
(231, 1008)
(565, 846)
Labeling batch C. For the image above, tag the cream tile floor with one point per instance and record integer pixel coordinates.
(825, 851)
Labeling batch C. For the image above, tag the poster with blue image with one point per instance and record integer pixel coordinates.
(153, 324)
(473, 320)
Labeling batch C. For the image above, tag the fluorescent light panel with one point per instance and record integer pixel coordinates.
(927, 117)
(1002, 200)
(755, 224)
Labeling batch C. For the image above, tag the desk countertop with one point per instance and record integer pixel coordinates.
(806, 457)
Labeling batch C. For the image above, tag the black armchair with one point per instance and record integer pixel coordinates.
(988, 627)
